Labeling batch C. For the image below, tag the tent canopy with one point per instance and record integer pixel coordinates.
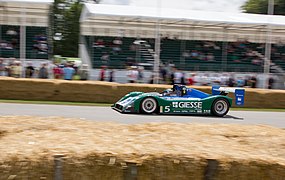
(101, 19)
(30, 1)
(25, 12)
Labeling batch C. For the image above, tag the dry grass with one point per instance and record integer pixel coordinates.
(35, 137)
(160, 150)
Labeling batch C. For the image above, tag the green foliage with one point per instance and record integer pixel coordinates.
(65, 20)
(261, 6)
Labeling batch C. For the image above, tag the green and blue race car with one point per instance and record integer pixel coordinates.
(181, 100)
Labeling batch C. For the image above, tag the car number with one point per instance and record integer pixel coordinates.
(166, 109)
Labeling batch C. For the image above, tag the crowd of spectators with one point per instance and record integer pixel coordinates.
(241, 51)
(103, 74)
(238, 52)
(112, 47)
(171, 75)
(245, 52)
(203, 51)
(135, 74)
(68, 70)
(40, 44)
(11, 40)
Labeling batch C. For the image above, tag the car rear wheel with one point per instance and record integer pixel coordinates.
(149, 105)
(220, 107)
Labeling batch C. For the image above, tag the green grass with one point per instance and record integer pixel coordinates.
(257, 109)
(54, 103)
(108, 105)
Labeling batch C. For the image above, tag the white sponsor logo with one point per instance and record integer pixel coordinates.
(197, 105)
(175, 104)
(239, 99)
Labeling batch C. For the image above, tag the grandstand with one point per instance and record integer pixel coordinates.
(192, 40)
(24, 29)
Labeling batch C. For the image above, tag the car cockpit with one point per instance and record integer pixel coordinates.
(176, 90)
(182, 91)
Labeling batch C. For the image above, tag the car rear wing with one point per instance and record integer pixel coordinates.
(239, 93)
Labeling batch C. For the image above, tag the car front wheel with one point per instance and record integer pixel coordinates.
(149, 105)
(220, 107)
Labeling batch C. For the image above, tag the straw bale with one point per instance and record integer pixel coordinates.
(261, 98)
(106, 92)
(2, 133)
(96, 150)
(86, 91)
(26, 89)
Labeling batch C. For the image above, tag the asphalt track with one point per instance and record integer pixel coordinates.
(106, 114)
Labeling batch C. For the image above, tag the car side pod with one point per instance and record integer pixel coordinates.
(239, 93)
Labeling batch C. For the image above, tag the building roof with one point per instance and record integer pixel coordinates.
(30, 1)
(102, 15)
(25, 12)
(118, 11)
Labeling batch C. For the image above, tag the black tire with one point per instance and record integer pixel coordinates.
(149, 105)
(220, 107)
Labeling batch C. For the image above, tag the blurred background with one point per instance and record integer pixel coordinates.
(238, 43)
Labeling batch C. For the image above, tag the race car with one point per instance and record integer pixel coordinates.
(181, 100)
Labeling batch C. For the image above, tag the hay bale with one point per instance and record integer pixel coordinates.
(106, 92)
(94, 150)
(85, 91)
(26, 89)
(264, 98)
(17, 168)
(2, 133)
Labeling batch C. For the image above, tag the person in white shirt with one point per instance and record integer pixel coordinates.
(177, 77)
(133, 74)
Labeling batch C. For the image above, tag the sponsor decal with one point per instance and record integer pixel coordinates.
(207, 111)
(239, 94)
(175, 104)
(187, 105)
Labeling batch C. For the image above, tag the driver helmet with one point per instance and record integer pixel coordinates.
(167, 92)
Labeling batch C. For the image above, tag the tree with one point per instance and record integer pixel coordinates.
(66, 27)
(260, 7)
